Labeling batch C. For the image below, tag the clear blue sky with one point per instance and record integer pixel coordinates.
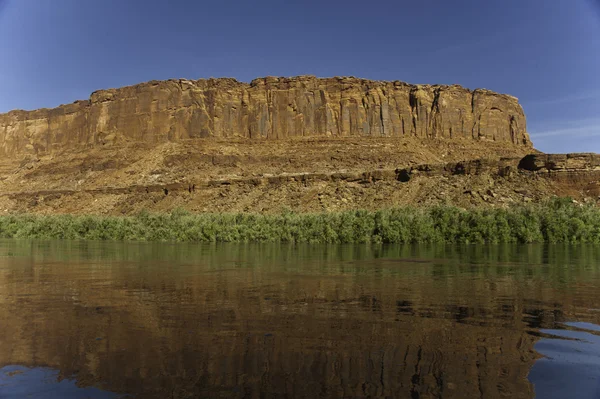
(546, 52)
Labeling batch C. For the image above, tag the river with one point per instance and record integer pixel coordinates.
(157, 320)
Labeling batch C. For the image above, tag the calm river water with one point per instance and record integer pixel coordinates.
(139, 320)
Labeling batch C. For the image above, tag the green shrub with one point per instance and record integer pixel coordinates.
(557, 220)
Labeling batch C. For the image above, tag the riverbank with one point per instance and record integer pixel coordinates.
(558, 220)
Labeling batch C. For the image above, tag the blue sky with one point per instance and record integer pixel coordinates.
(546, 52)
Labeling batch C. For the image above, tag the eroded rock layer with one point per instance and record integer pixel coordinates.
(267, 108)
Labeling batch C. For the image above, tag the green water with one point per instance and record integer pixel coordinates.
(156, 320)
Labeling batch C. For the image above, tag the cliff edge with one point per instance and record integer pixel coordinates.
(267, 108)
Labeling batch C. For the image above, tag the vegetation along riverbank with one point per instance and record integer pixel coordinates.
(556, 220)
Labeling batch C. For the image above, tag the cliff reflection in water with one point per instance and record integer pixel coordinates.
(183, 321)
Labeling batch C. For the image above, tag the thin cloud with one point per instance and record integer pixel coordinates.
(589, 130)
(563, 100)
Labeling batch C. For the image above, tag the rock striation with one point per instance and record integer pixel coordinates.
(266, 108)
(561, 162)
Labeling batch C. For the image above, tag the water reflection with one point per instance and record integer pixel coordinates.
(185, 321)
(571, 363)
(17, 382)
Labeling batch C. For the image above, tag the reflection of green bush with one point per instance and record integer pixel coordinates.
(553, 221)
(556, 264)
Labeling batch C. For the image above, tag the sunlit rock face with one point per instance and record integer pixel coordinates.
(267, 108)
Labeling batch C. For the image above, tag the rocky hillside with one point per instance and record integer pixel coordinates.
(302, 143)
(267, 108)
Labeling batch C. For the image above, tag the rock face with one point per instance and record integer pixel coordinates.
(267, 108)
(561, 162)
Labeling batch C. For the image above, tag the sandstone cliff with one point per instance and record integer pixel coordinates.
(267, 108)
